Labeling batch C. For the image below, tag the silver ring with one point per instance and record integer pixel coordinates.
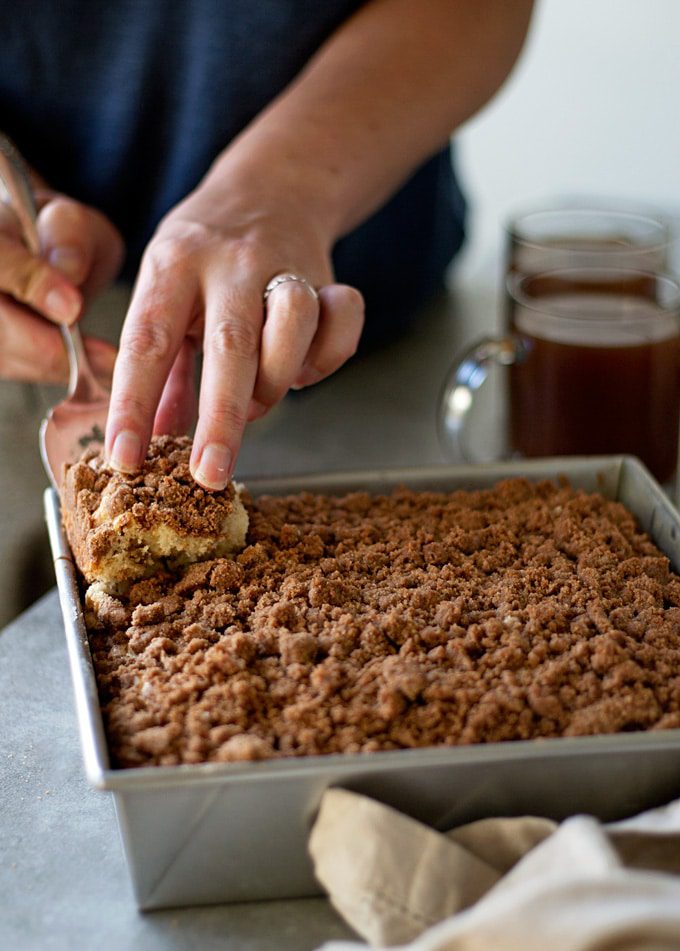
(285, 279)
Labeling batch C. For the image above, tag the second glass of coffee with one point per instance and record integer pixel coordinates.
(593, 357)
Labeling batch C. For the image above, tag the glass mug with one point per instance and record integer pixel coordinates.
(565, 235)
(593, 366)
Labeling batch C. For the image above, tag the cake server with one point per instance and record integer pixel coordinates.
(80, 419)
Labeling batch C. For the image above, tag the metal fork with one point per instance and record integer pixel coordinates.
(80, 419)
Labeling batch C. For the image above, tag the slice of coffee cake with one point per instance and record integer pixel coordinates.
(122, 527)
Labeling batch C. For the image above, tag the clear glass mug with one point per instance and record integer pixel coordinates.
(593, 358)
(575, 235)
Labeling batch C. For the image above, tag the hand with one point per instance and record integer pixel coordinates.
(201, 283)
(81, 253)
(370, 106)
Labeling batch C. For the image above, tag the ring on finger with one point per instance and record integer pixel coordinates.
(285, 278)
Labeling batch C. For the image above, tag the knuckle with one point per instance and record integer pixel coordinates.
(176, 243)
(148, 341)
(233, 337)
(172, 252)
(225, 417)
(129, 406)
(66, 210)
(246, 254)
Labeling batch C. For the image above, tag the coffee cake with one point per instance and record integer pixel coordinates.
(122, 527)
(364, 623)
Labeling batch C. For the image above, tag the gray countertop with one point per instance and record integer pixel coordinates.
(62, 872)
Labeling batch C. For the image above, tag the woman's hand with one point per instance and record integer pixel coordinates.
(81, 253)
(201, 284)
(380, 95)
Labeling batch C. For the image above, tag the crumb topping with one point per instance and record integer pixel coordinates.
(363, 623)
(122, 527)
(163, 491)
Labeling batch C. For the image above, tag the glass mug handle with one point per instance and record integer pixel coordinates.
(464, 378)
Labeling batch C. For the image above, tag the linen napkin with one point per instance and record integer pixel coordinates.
(521, 883)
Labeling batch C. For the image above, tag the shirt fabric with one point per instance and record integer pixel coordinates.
(124, 104)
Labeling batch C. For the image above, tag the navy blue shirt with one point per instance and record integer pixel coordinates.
(124, 104)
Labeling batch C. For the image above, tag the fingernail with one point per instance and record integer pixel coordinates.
(69, 260)
(308, 376)
(63, 303)
(126, 451)
(214, 466)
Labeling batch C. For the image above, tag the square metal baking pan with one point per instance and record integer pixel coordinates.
(232, 832)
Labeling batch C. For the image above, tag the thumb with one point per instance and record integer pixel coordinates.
(80, 242)
(64, 239)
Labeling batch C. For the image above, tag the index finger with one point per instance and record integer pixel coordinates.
(233, 327)
(160, 311)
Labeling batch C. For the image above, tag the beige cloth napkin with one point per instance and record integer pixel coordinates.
(500, 884)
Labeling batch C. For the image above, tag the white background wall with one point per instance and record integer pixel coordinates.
(592, 108)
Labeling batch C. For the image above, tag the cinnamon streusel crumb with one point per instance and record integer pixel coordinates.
(376, 623)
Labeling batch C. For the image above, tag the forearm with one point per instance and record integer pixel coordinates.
(384, 92)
